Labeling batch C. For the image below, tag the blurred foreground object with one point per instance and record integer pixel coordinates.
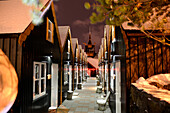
(8, 83)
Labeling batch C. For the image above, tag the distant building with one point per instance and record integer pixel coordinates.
(90, 48)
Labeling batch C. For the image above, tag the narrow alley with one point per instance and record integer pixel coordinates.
(85, 102)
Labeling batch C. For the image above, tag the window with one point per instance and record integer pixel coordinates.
(75, 71)
(49, 33)
(65, 74)
(39, 79)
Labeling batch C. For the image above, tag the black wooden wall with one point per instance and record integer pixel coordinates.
(35, 48)
(65, 88)
(120, 50)
(9, 45)
(145, 57)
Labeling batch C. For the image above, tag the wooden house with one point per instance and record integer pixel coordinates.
(85, 66)
(132, 55)
(35, 52)
(145, 57)
(83, 53)
(75, 51)
(67, 61)
(80, 66)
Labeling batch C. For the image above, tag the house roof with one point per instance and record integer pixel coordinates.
(93, 62)
(74, 42)
(15, 16)
(107, 28)
(80, 48)
(148, 25)
(63, 31)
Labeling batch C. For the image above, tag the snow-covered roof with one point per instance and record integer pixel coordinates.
(63, 31)
(147, 26)
(74, 43)
(15, 16)
(93, 62)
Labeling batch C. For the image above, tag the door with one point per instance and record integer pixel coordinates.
(118, 87)
(54, 86)
(70, 78)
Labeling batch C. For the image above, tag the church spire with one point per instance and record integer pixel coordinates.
(89, 42)
(89, 47)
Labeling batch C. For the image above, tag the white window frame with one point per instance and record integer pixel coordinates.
(50, 29)
(75, 71)
(35, 96)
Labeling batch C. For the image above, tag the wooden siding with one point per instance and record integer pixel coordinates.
(35, 48)
(13, 50)
(145, 57)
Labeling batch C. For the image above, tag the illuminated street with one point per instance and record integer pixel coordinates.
(85, 102)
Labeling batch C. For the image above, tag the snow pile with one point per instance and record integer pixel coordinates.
(163, 79)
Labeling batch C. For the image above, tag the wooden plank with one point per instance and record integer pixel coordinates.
(156, 56)
(159, 58)
(164, 58)
(6, 46)
(142, 62)
(1, 43)
(13, 51)
(168, 59)
(19, 60)
(134, 59)
(128, 78)
(149, 57)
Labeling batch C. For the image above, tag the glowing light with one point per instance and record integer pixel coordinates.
(8, 83)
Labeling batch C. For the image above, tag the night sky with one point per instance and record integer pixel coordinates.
(73, 14)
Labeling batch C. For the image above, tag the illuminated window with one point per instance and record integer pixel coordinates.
(49, 33)
(39, 79)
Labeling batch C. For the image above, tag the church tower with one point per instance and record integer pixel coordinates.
(90, 48)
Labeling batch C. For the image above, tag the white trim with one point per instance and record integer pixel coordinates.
(70, 77)
(54, 86)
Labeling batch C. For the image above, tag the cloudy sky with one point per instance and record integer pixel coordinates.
(73, 14)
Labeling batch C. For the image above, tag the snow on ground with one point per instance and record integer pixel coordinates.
(163, 79)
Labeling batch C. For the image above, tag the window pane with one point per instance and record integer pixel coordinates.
(42, 85)
(36, 87)
(65, 73)
(42, 70)
(50, 26)
(37, 71)
(49, 36)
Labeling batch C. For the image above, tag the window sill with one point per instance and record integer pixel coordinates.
(65, 83)
(40, 97)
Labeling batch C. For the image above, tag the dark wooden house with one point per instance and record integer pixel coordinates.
(145, 57)
(114, 58)
(132, 55)
(35, 52)
(75, 51)
(67, 61)
(80, 64)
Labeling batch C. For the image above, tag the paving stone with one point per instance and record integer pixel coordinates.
(85, 102)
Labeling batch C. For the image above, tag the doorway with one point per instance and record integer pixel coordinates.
(54, 86)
